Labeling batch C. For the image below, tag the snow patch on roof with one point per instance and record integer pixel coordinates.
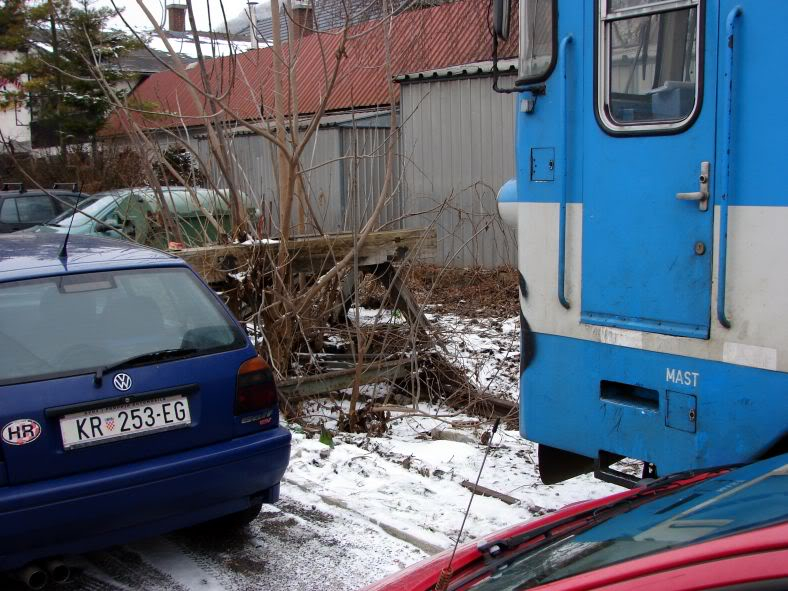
(216, 47)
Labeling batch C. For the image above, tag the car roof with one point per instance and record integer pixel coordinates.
(32, 192)
(180, 199)
(30, 255)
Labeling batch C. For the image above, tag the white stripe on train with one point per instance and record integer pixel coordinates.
(757, 286)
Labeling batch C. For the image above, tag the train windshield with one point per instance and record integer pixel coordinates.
(729, 504)
(537, 39)
(648, 61)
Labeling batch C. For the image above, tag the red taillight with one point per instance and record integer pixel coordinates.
(255, 389)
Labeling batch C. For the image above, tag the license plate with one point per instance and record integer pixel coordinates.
(103, 425)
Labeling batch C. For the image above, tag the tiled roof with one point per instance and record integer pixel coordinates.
(147, 61)
(429, 38)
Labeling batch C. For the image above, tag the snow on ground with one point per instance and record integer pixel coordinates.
(347, 516)
(370, 316)
(409, 483)
(367, 507)
(487, 348)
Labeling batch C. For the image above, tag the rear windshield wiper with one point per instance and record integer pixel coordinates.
(144, 358)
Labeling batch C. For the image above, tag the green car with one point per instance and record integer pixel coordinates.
(136, 214)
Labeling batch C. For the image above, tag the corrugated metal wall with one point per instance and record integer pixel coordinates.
(344, 164)
(255, 166)
(457, 147)
(364, 169)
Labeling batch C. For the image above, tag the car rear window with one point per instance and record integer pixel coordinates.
(30, 209)
(73, 324)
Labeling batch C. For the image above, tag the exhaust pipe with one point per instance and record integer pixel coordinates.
(57, 570)
(32, 576)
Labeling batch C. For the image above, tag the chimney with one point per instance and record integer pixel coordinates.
(253, 24)
(303, 20)
(176, 17)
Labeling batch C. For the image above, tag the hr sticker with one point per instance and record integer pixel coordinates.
(21, 432)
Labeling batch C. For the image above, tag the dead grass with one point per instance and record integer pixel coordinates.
(464, 291)
(106, 169)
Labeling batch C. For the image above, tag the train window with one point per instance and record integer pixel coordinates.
(648, 64)
(537, 40)
(615, 5)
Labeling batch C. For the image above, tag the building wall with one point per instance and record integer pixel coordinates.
(256, 175)
(458, 149)
(328, 15)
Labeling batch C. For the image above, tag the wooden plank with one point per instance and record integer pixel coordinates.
(313, 254)
(486, 406)
(404, 301)
(297, 389)
(336, 360)
(488, 492)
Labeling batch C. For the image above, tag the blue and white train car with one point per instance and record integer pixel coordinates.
(652, 219)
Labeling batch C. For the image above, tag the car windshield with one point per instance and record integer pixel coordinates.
(732, 503)
(74, 324)
(94, 209)
(83, 203)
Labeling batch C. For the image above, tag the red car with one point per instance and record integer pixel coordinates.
(725, 528)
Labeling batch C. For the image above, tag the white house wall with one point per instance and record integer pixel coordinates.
(14, 123)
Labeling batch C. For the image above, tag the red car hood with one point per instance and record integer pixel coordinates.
(423, 575)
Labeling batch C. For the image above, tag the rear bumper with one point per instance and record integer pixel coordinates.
(85, 512)
(737, 413)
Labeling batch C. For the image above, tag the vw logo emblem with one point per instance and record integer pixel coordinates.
(122, 381)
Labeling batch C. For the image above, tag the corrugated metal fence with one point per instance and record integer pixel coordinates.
(458, 149)
(455, 150)
(344, 169)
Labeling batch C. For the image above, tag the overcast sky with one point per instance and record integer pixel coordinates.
(136, 17)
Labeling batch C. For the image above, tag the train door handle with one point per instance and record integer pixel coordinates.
(702, 196)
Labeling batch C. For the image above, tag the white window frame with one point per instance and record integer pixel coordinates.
(606, 17)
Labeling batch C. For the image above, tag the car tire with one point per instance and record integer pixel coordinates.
(237, 520)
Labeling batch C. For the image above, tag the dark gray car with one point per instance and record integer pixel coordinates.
(22, 208)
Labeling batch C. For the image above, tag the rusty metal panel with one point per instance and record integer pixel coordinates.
(436, 37)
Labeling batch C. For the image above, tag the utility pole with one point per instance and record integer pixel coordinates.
(285, 196)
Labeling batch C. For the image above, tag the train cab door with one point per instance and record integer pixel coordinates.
(649, 167)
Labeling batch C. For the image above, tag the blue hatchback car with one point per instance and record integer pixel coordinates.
(131, 402)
